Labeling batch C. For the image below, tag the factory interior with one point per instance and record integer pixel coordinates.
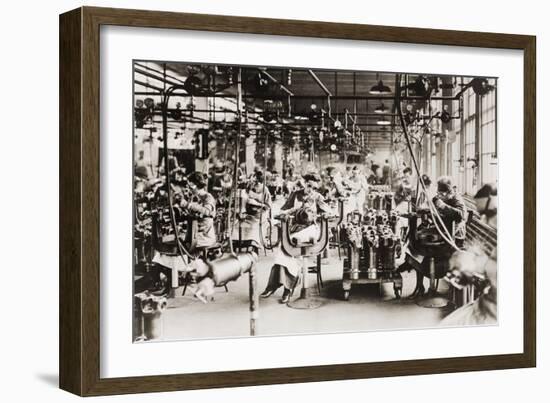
(288, 200)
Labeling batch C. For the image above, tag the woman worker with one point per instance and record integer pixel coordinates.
(304, 205)
(359, 188)
(255, 202)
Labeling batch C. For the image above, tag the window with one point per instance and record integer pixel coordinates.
(488, 164)
(456, 167)
(470, 152)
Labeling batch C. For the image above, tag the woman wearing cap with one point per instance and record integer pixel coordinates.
(304, 204)
(202, 205)
(255, 201)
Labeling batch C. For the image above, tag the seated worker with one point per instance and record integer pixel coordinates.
(483, 310)
(291, 180)
(167, 259)
(275, 184)
(451, 208)
(304, 205)
(255, 201)
(202, 206)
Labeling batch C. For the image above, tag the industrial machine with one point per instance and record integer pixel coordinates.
(372, 247)
(428, 254)
(381, 198)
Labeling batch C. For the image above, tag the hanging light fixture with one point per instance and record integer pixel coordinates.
(379, 88)
(381, 109)
(481, 86)
(422, 86)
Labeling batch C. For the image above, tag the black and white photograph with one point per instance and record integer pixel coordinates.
(274, 201)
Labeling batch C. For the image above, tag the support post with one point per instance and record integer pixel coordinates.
(254, 300)
(305, 301)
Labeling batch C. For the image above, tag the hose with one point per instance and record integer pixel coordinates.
(263, 194)
(233, 194)
(181, 249)
(433, 211)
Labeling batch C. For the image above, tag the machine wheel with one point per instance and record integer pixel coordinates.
(346, 295)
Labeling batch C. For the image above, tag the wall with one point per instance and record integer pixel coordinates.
(28, 103)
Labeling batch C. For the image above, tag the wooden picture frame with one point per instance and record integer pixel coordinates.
(80, 200)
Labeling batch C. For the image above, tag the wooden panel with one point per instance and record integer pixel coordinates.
(70, 276)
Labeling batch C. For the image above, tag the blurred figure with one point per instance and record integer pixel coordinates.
(142, 167)
(483, 311)
(215, 179)
(386, 173)
(487, 203)
(172, 162)
(358, 189)
(291, 180)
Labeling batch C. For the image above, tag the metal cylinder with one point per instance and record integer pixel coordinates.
(432, 274)
(152, 325)
(174, 277)
(151, 308)
(354, 264)
(230, 267)
(372, 271)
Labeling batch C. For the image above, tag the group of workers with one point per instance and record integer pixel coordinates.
(305, 196)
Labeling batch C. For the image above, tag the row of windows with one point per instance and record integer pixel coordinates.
(474, 149)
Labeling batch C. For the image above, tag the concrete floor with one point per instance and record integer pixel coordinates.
(228, 315)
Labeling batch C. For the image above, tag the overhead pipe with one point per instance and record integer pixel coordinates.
(147, 85)
(250, 111)
(143, 66)
(320, 83)
(274, 81)
(153, 76)
(324, 88)
(308, 97)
